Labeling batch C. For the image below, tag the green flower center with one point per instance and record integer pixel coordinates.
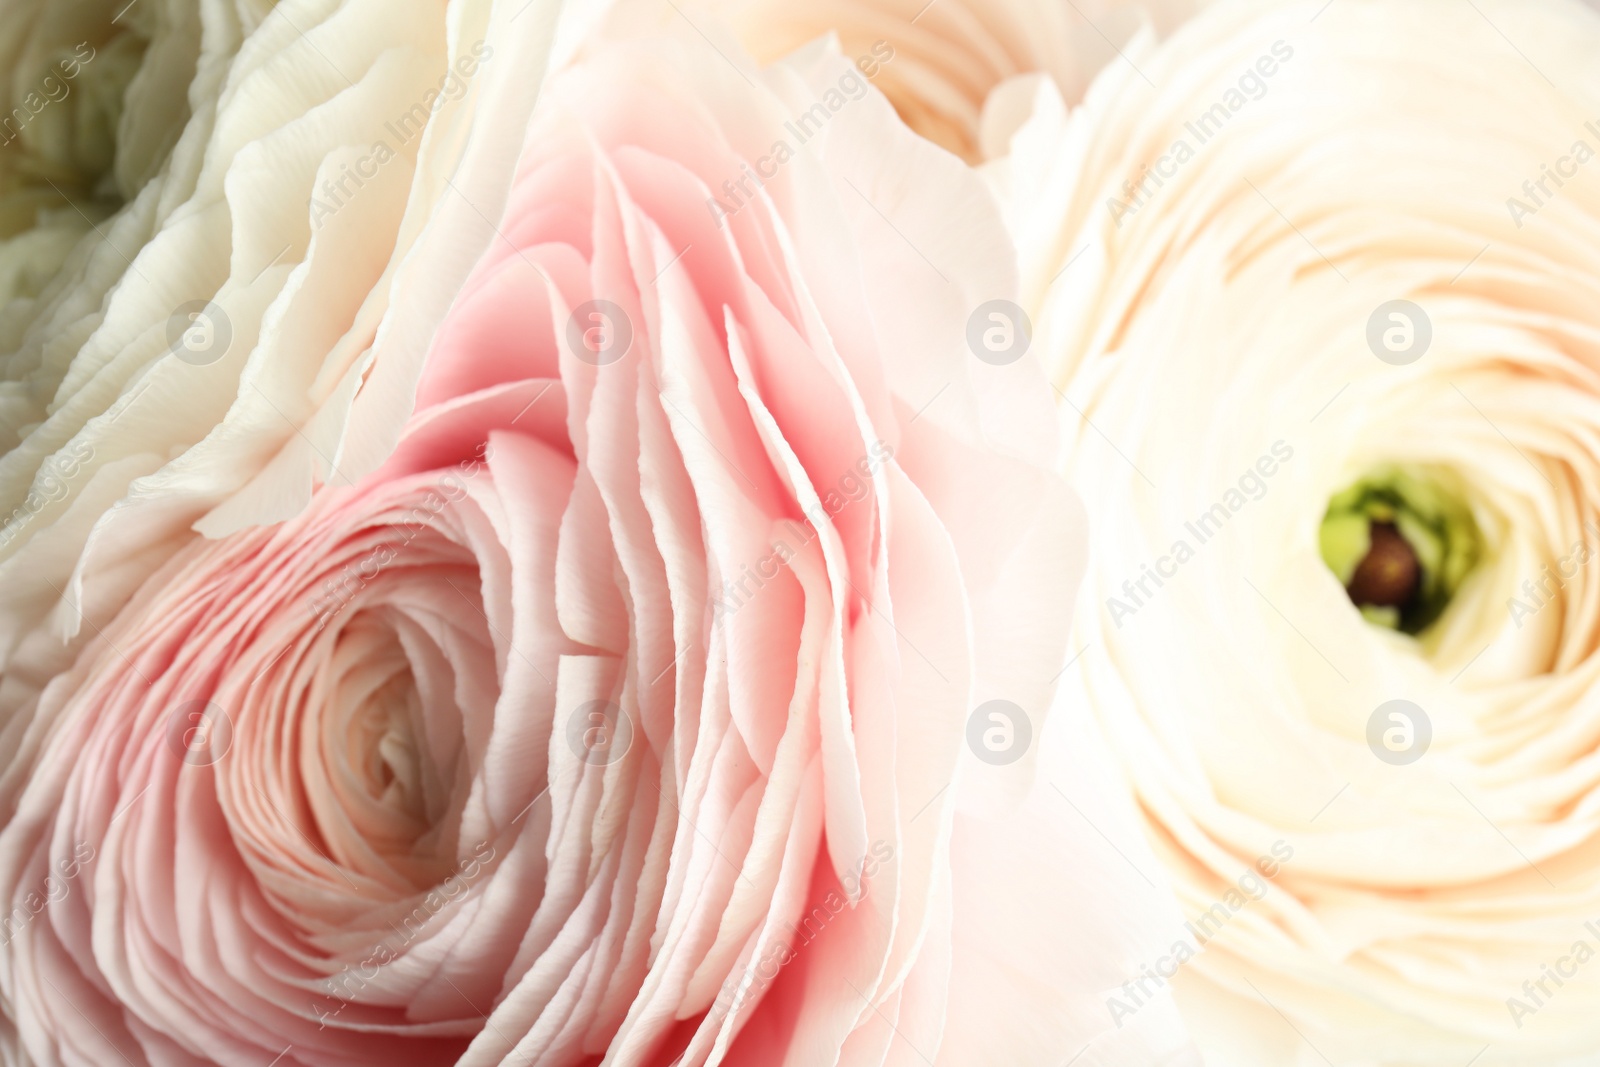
(1401, 542)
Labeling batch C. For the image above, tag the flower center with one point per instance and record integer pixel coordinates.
(391, 759)
(1401, 541)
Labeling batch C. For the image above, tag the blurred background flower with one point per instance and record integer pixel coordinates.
(948, 56)
(1318, 286)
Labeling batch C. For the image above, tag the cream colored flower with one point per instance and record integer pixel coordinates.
(938, 62)
(1318, 283)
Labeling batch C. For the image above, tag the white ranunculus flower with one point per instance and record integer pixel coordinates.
(1322, 296)
(939, 62)
(245, 296)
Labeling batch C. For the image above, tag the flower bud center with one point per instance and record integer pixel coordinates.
(1401, 541)
(1388, 576)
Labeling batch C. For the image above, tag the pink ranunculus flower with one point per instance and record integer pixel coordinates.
(624, 714)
